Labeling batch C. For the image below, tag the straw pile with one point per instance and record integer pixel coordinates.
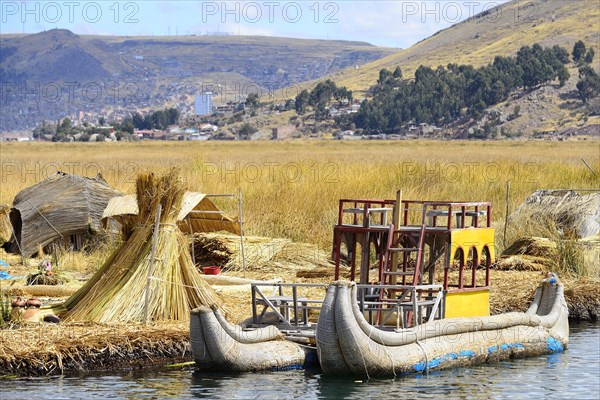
(569, 211)
(5, 228)
(261, 253)
(528, 254)
(117, 292)
(45, 349)
(43, 290)
(514, 290)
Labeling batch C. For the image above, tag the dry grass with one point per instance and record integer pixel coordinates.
(291, 189)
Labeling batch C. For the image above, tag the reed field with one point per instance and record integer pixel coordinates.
(291, 189)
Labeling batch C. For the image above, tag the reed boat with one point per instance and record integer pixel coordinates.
(217, 344)
(426, 306)
(348, 344)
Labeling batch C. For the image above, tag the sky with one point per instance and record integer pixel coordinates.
(399, 23)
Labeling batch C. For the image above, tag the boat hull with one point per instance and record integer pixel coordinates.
(347, 344)
(218, 345)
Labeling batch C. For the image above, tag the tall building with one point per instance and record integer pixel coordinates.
(204, 104)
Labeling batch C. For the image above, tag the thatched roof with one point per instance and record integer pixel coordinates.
(56, 208)
(566, 208)
(196, 210)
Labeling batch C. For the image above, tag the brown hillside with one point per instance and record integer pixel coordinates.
(502, 31)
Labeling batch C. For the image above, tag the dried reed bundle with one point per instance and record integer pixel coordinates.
(522, 263)
(225, 250)
(262, 253)
(43, 290)
(532, 246)
(117, 292)
(5, 227)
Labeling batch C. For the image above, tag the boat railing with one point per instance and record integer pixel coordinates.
(290, 307)
(408, 305)
(292, 304)
(371, 214)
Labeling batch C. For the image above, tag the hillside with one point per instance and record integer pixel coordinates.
(478, 40)
(152, 71)
(549, 110)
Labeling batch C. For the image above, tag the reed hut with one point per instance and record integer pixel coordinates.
(151, 276)
(197, 214)
(63, 209)
(568, 210)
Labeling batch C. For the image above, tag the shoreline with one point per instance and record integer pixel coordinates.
(75, 348)
(72, 348)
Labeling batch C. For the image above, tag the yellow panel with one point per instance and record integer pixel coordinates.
(468, 304)
(472, 237)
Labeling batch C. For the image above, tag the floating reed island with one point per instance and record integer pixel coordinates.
(45, 349)
(133, 312)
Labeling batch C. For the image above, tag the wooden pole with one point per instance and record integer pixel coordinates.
(151, 266)
(506, 213)
(242, 230)
(590, 168)
(396, 222)
(192, 233)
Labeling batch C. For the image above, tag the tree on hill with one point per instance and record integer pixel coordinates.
(247, 129)
(157, 120)
(64, 127)
(589, 56)
(578, 51)
(442, 95)
(320, 98)
(589, 83)
(138, 121)
(301, 102)
(252, 100)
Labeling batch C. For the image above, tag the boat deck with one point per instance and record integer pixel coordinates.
(290, 307)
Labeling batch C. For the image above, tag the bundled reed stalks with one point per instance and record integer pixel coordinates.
(119, 289)
(5, 228)
(261, 253)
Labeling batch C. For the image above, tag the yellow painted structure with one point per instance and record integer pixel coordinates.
(465, 239)
(472, 303)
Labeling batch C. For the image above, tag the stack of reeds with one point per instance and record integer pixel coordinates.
(261, 253)
(5, 227)
(528, 254)
(123, 289)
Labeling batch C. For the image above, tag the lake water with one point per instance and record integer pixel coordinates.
(574, 374)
